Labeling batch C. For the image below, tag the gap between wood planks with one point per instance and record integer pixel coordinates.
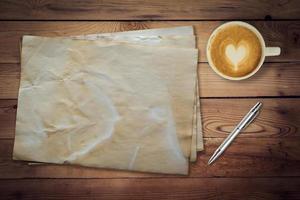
(151, 20)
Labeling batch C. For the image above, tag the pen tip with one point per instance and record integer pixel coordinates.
(211, 160)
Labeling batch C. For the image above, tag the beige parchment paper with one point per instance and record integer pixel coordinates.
(182, 39)
(54, 78)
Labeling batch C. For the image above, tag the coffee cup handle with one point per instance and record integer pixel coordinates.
(272, 51)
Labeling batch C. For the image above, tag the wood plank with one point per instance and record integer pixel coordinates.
(284, 34)
(8, 110)
(148, 10)
(9, 81)
(274, 79)
(246, 157)
(278, 119)
(172, 188)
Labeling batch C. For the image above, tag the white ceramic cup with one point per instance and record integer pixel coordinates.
(266, 51)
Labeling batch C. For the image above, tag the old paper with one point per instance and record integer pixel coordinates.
(142, 37)
(184, 38)
(162, 41)
(42, 75)
(199, 134)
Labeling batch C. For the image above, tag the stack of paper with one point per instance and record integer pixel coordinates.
(125, 100)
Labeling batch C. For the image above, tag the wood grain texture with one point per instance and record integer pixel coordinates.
(262, 163)
(8, 110)
(285, 34)
(274, 79)
(9, 81)
(172, 188)
(148, 10)
(246, 157)
(279, 118)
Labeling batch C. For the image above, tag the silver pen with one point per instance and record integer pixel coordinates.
(251, 115)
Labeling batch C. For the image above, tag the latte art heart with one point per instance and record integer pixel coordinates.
(235, 55)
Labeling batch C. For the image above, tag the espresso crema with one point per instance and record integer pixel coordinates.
(235, 50)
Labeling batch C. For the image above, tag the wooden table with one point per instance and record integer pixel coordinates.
(263, 162)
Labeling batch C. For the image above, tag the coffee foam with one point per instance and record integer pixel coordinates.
(235, 55)
(235, 51)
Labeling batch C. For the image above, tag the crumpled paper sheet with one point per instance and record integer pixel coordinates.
(184, 38)
(164, 37)
(158, 42)
(142, 37)
(42, 126)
